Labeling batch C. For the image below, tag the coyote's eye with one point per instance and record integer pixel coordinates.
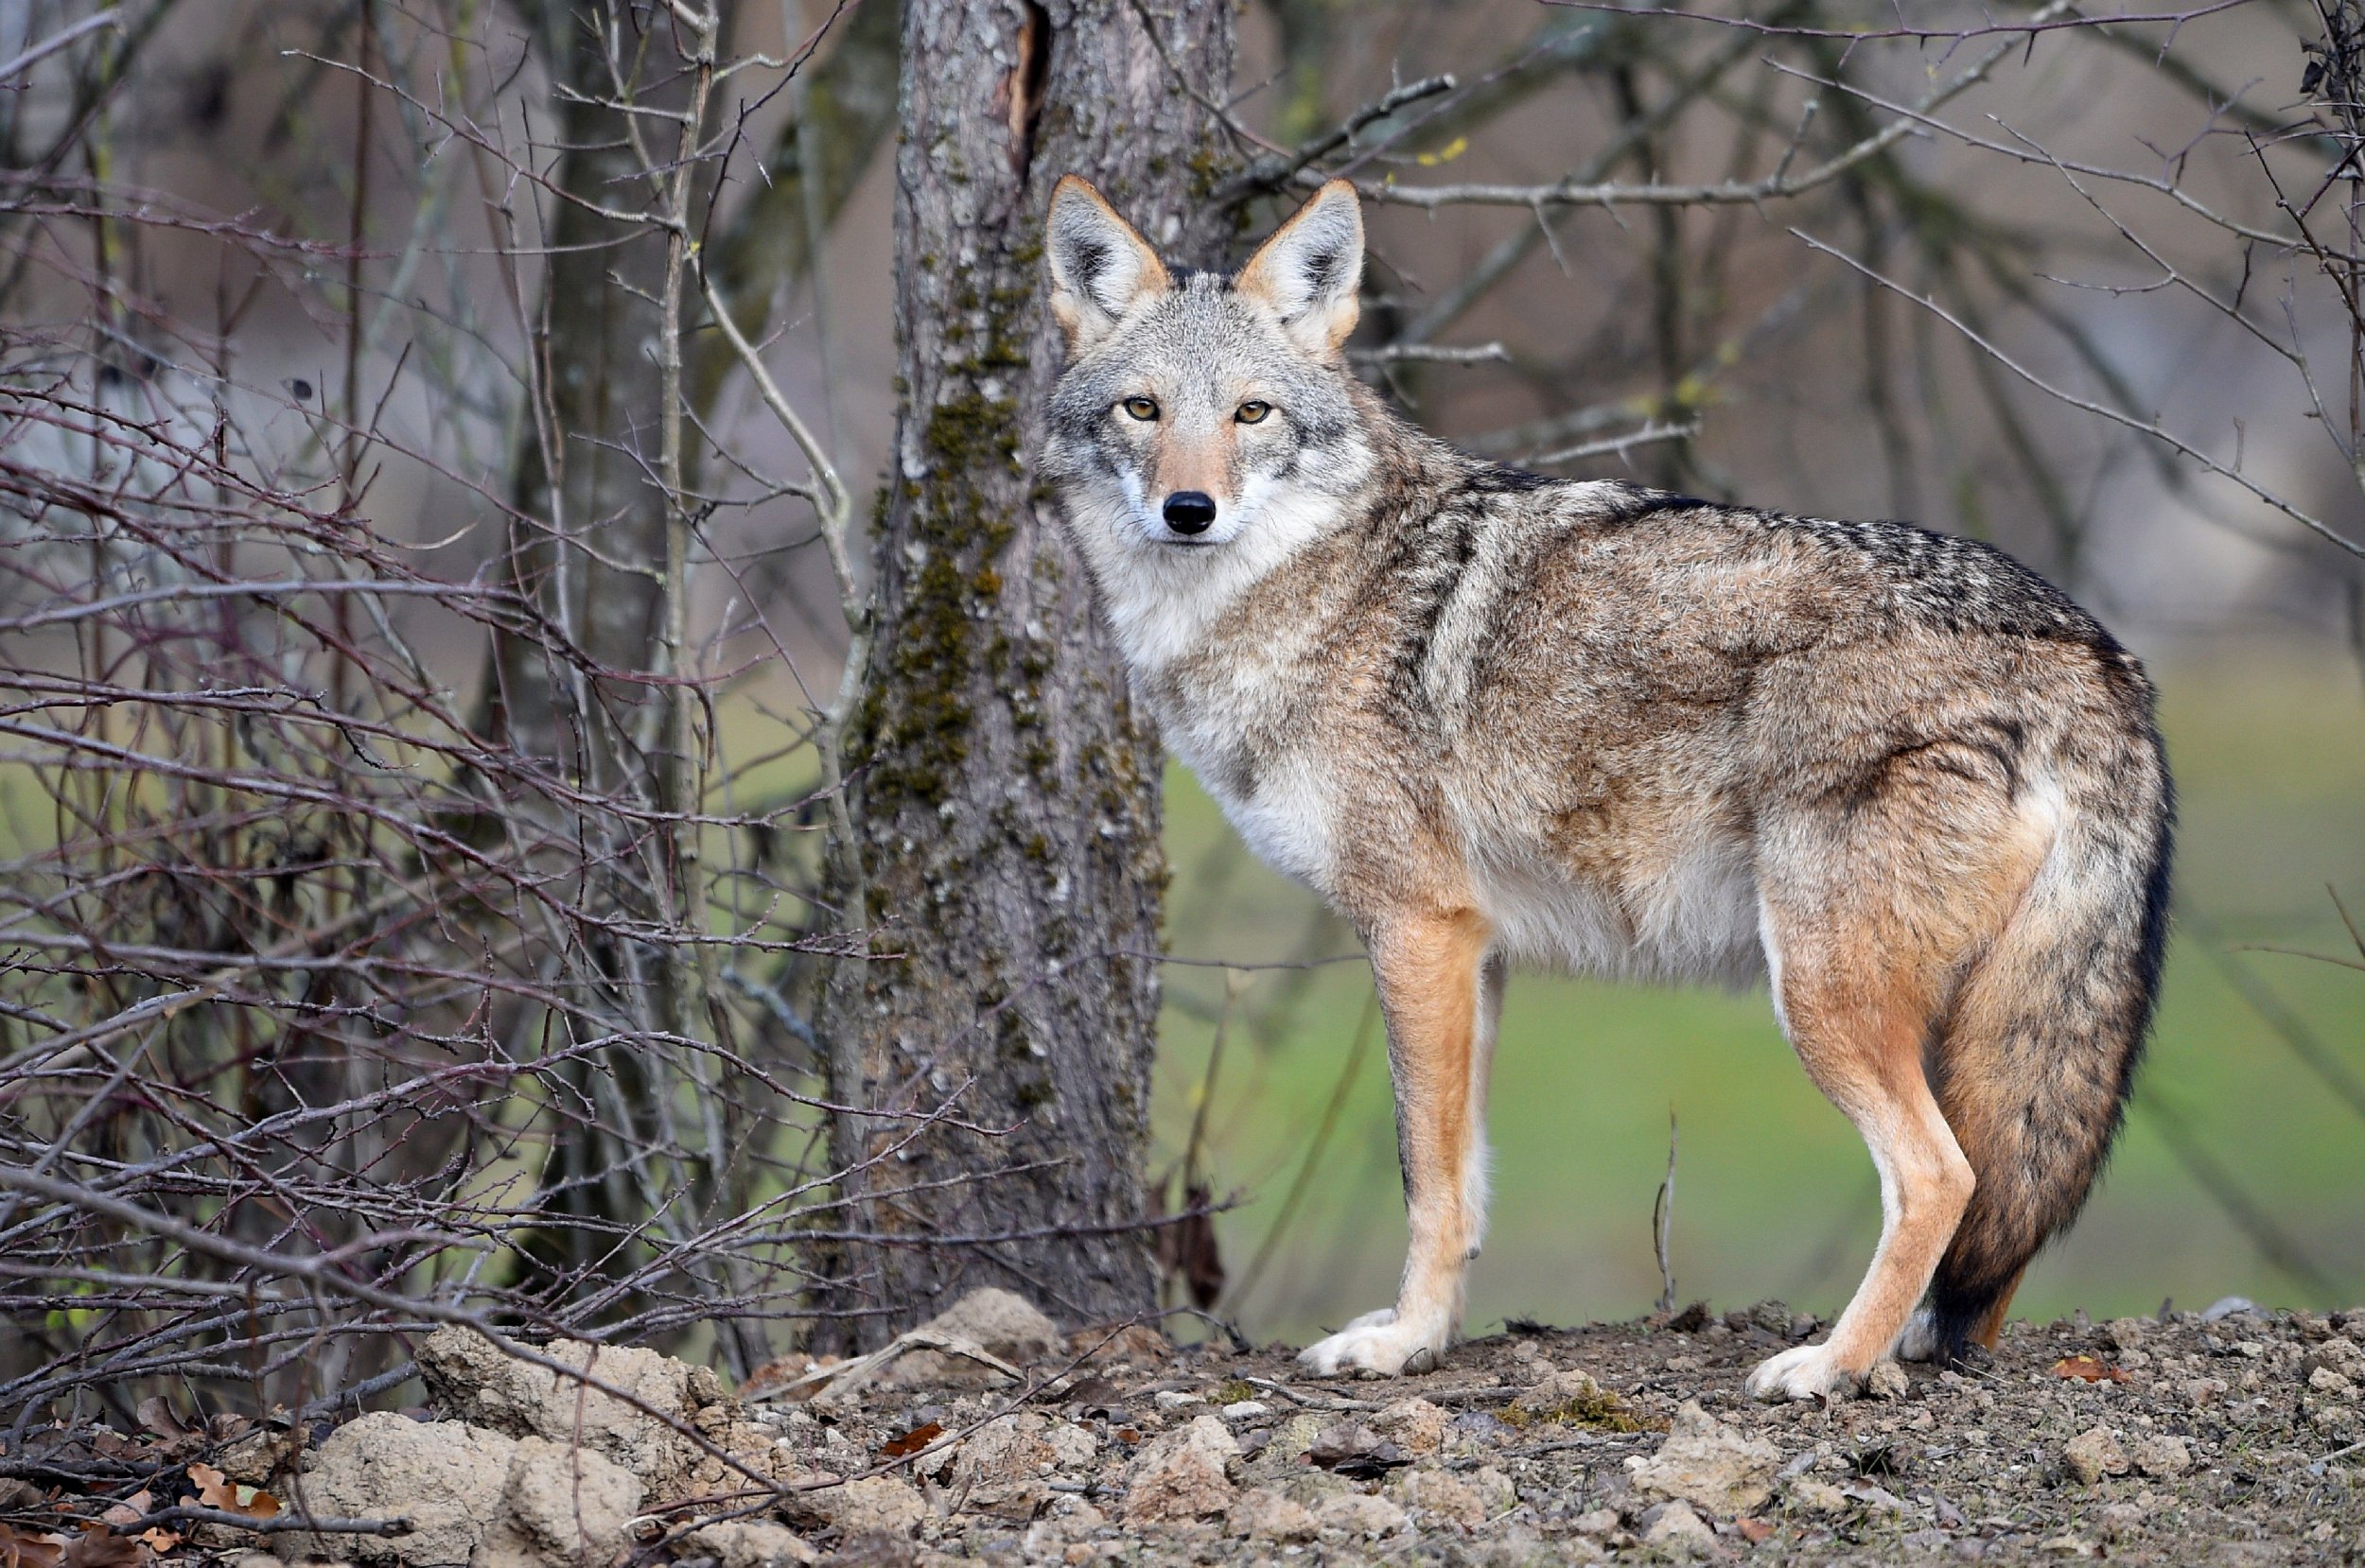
(1141, 407)
(1252, 412)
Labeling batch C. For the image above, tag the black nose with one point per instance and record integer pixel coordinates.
(1190, 511)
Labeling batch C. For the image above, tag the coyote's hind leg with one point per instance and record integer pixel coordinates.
(1870, 931)
(1861, 1042)
(1441, 995)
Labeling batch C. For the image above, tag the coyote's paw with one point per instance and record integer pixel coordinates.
(1376, 1342)
(1919, 1340)
(1808, 1373)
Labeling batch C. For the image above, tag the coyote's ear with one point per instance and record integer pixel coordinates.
(1100, 265)
(1309, 271)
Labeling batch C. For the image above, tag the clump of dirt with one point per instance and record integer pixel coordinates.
(1573, 1399)
(2231, 1437)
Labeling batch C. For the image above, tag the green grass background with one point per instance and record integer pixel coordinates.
(1775, 1195)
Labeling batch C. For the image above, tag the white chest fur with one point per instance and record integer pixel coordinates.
(1286, 814)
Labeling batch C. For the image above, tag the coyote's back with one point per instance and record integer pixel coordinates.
(1493, 716)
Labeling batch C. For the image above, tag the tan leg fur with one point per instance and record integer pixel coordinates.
(1441, 995)
(1866, 984)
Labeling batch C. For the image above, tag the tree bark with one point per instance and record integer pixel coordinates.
(1003, 791)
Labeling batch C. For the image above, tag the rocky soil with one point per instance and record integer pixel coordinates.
(2232, 1438)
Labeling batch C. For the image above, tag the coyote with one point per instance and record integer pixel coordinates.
(1491, 716)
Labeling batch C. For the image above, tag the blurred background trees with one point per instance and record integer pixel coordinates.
(556, 771)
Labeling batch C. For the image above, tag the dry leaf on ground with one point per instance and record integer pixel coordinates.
(217, 1490)
(104, 1548)
(19, 1549)
(131, 1510)
(2086, 1369)
(913, 1441)
(155, 1413)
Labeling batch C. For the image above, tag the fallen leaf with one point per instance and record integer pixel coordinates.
(911, 1442)
(1089, 1394)
(21, 1550)
(104, 1548)
(217, 1490)
(1186, 1247)
(2085, 1368)
(1355, 1451)
(1754, 1531)
(155, 1413)
(130, 1510)
(159, 1539)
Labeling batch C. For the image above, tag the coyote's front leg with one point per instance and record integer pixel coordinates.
(1441, 994)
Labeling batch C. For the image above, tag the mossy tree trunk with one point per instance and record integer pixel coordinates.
(1004, 794)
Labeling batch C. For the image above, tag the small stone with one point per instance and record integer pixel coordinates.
(447, 1478)
(1314, 1485)
(259, 1455)
(2226, 1306)
(1495, 1489)
(1437, 1498)
(1182, 1474)
(1073, 1447)
(1601, 1522)
(999, 1469)
(1706, 1462)
(562, 1503)
(1680, 1532)
(2092, 1455)
(1176, 1399)
(1356, 1515)
(2125, 1333)
(2123, 1521)
(1414, 1426)
(477, 1381)
(2339, 1355)
(1264, 1515)
(2066, 1546)
(751, 1543)
(1293, 1436)
(1887, 1381)
(877, 1505)
(1245, 1411)
(2324, 1380)
(1818, 1496)
(2162, 1456)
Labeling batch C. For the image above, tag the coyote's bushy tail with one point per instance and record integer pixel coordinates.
(2034, 1064)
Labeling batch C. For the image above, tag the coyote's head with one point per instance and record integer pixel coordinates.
(1200, 413)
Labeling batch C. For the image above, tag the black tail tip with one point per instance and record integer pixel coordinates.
(1960, 1315)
